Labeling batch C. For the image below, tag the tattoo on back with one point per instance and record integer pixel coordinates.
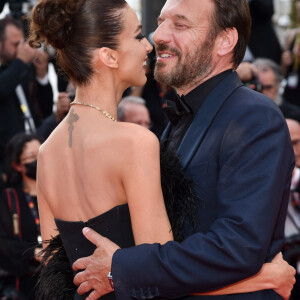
(71, 119)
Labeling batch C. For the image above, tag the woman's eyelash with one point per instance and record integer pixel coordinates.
(140, 36)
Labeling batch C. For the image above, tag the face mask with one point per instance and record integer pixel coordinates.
(30, 169)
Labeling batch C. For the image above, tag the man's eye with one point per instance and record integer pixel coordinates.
(180, 25)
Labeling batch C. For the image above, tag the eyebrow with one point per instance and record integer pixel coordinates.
(181, 17)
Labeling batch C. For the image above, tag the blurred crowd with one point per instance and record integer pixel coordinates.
(29, 113)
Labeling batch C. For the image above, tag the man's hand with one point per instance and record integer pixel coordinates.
(283, 276)
(246, 71)
(95, 267)
(25, 53)
(62, 106)
(41, 64)
(38, 254)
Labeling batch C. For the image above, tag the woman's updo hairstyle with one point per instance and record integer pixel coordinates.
(75, 28)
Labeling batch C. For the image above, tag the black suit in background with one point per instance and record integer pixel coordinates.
(39, 98)
(263, 40)
(290, 111)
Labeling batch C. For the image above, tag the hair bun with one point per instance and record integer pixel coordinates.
(51, 22)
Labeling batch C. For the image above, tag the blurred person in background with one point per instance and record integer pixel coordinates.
(263, 41)
(62, 109)
(265, 76)
(290, 63)
(291, 249)
(19, 219)
(133, 109)
(26, 96)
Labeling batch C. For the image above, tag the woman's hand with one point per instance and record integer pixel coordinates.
(283, 275)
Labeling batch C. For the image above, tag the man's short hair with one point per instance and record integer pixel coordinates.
(128, 99)
(8, 21)
(233, 14)
(266, 64)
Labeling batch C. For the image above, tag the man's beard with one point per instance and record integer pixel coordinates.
(195, 67)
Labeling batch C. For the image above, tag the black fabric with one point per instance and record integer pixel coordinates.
(263, 39)
(194, 101)
(17, 255)
(39, 98)
(290, 111)
(56, 280)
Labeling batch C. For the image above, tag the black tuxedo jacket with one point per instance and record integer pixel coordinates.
(239, 152)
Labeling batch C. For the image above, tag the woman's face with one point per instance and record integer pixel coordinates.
(133, 50)
(27, 165)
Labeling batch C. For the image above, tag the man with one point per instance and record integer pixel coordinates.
(234, 143)
(133, 109)
(269, 77)
(292, 224)
(26, 95)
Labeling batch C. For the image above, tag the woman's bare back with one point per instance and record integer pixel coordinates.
(83, 179)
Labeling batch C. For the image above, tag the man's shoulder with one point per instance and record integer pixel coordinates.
(245, 98)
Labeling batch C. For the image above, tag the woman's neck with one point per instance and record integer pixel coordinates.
(104, 94)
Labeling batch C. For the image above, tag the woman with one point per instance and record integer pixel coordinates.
(110, 172)
(18, 211)
(290, 62)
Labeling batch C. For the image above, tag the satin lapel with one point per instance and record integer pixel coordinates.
(205, 117)
(166, 132)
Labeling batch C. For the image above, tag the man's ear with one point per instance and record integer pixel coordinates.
(108, 57)
(226, 41)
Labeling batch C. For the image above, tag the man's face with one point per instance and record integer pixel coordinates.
(183, 43)
(138, 114)
(268, 80)
(8, 48)
(294, 129)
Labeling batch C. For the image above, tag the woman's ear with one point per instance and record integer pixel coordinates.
(226, 41)
(108, 57)
(17, 167)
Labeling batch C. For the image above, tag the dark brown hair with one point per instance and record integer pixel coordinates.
(6, 22)
(75, 28)
(233, 14)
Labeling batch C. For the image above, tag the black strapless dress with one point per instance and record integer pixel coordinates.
(56, 280)
(114, 224)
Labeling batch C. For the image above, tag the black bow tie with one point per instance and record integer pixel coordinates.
(176, 109)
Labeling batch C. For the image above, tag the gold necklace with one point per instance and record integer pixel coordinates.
(104, 112)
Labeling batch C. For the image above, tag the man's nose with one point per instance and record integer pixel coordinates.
(162, 34)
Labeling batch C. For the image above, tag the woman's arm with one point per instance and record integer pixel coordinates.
(277, 275)
(142, 185)
(48, 226)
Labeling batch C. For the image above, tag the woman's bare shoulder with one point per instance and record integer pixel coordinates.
(52, 143)
(137, 137)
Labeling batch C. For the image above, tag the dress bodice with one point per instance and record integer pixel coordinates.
(114, 224)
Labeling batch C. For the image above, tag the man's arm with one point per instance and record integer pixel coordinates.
(256, 162)
(16, 71)
(11, 77)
